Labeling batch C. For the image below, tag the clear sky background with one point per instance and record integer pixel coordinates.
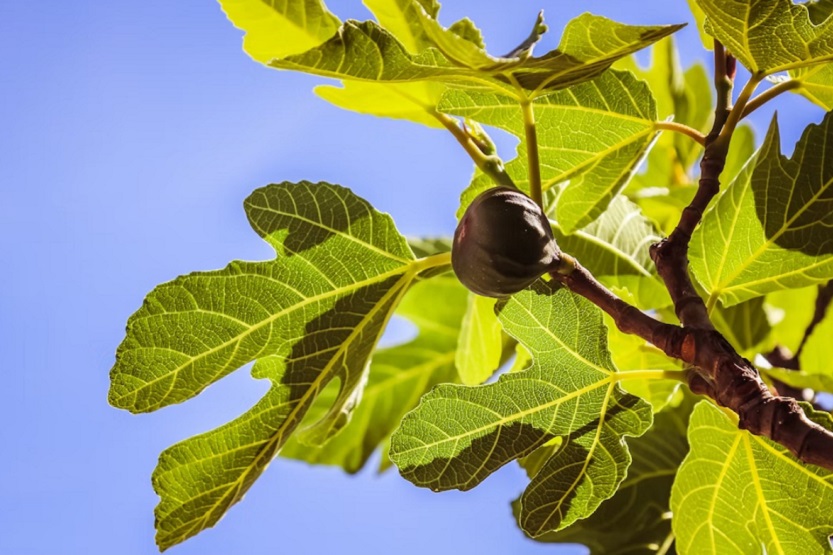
(130, 133)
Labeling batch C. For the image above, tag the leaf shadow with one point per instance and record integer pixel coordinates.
(295, 217)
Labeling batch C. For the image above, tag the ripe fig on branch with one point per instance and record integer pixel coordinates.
(503, 243)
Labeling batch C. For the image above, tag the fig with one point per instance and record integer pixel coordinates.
(503, 243)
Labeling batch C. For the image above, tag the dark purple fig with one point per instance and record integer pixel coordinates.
(503, 243)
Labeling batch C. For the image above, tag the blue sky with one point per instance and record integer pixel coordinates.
(130, 133)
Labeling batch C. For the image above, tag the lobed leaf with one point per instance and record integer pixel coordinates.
(307, 317)
(278, 29)
(400, 68)
(586, 471)
(637, 519)
(740, 493)
(682, 96)
(633, 354)
(744, 325)
(458, 435)
(414, 101)
(747, 28)
(615, 248)
(596, 166)
(588, 46)
(398, 376)
(771, 228)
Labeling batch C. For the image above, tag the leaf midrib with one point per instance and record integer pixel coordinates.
(255, 327)
(769, 241)
(272, 444)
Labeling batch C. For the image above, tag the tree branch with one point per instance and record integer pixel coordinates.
(671, 254)
(718, 371)
(768, 95)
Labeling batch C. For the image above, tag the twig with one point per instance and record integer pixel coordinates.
(718, 371)
(671, 254)
(489, 164)
(768, 95)
(683, 129)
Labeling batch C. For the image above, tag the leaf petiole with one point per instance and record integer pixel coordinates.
(769, 94)
(535, 190)
(433, 261)
(698, 137)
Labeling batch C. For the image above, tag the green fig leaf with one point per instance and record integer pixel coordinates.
(458, 435)
(305, 317)
(770, 228)
(737, 493)
(746, 28)
(398, 376)
(278, 29)
(595, 166)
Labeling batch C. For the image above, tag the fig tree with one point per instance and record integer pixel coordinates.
(503, 243)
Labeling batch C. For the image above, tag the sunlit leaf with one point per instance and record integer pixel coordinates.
(817, 354)
(479, 348)
(398, 377)
(633, 354)
(800, 379)
(458, 435)
(684, 97)
(414, 101)
(770, 229)
(816, 84)
(278, 29)
(401, 18)
(790, 311)
(306, 316)
(596, 165)
(747, 29)
(615, 249)
(740, 493)
(637, 520)
(470, 54)
(589, 44)
(700, 20)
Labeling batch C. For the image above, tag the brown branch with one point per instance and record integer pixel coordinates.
(671, 254)
(717, 370)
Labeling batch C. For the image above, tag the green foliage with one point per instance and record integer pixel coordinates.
(278, 29)
(480, 347)
(459, 435)
(595, 416)
(307, 319)
(747, 29)
(398, 376)
(770, 228)
(739, 493)
(594, 167)
(638, 519)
